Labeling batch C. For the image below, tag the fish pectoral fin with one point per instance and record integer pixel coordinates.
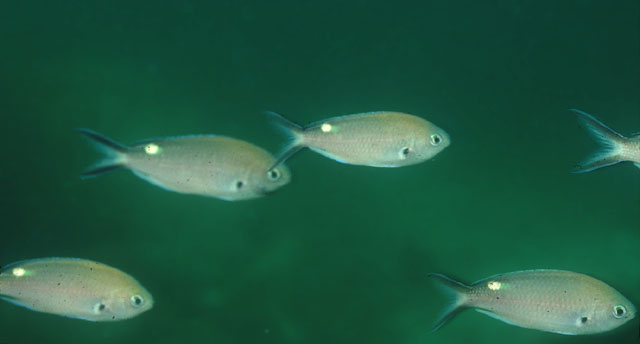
(636, 164)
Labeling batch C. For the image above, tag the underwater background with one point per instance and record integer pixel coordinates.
(341, 254)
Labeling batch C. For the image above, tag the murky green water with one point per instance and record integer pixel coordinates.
(340, 255)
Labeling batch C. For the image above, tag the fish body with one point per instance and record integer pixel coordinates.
(75, 288)
(215, 166)
(548, 300)
(616, 148)
(378, 139)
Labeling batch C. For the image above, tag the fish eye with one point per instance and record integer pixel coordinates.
(239, 184)
(273, 174)
(136, 300)
(619, 311)
(404, 152)
(436, 139)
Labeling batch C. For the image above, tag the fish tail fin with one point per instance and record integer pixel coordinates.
(114, 154)
(458, 291)
(294, 133)
(608, 138)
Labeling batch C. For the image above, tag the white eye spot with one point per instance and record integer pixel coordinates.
(325, 127)
(152, 149)
(494, 285)
(18, 272)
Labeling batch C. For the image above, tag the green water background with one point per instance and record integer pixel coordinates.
(340, 255)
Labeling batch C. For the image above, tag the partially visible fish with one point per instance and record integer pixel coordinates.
(207, 165)
(378, 139)
(548, 300)
(616, 148)
(75, 288)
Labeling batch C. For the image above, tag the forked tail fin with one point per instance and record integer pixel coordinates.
(610, 141)
(114, 154)
(459, 300)
(294, 133)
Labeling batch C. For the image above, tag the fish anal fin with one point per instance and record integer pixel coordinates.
(596, 162)
(494, 315)
(98, 171)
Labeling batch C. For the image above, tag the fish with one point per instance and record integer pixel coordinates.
(207, 165)
(74, 288)
(616, 148)
(555, 301)
(377, 139)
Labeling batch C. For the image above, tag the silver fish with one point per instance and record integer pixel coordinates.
(207, 165)
(548, 300)
(378, 139)
(617, 148)
(75, 288)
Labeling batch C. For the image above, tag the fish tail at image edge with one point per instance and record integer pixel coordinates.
(608, 138)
